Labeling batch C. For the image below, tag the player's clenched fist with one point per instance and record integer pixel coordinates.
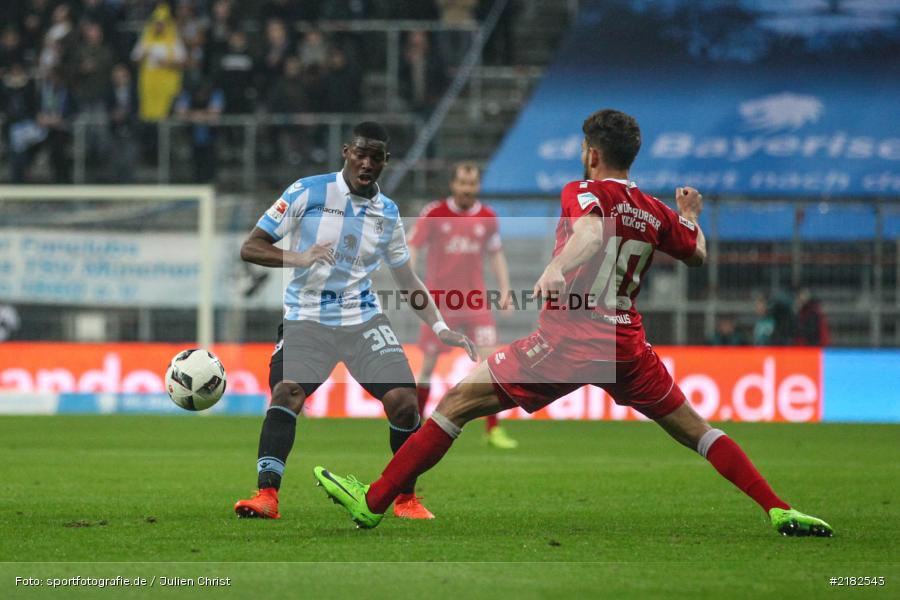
(690, 202)
(316, 253)
(551, 284)
(454, 338)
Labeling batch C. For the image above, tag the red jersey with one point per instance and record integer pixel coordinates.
(457, 241)
(610, 282)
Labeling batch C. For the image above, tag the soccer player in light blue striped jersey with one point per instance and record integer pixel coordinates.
(340, 228)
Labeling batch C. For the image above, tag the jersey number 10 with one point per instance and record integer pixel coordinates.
(616, 263)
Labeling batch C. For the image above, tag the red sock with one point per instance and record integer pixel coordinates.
(421, 451)
(490, 422)
(732, 464)
(422, 392)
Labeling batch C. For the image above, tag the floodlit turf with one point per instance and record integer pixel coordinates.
(581, 509)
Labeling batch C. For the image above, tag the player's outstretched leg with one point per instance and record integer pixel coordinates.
(275, 442)
(471, 398)
(692, 430)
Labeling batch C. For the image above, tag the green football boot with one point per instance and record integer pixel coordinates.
(498, 438)
(350, 493)
(795, 523)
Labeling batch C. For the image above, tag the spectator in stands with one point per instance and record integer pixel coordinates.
(313, 49)
(276, 49)
(9, 321)
(411, 9)
(812, 326)
(775, 320)
(726, 333)
(500, 48)
(34, 24)
(103, 13)
(288, 95)
(781, 307)
(345, 10)
(454, 43)
(342, 83)
(93, 62)
(220, 28)
(57, 40)
(314, 84)
(202, 103)
(122, 106)
(234, 72)
(137, 10)
(289, 11)
(21, 133)
(192, 30)
(55, 108)
(11, 50)
(161, 56)
(422, 74)
(764, 326)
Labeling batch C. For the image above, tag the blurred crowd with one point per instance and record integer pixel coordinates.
(131, 63)
(780, 320)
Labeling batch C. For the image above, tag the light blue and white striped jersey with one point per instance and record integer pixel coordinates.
(363, 232)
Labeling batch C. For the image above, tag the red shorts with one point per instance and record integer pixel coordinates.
(531, 374)
(478, 326)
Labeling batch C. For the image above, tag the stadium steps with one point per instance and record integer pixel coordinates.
(538, 31)
(490, 103)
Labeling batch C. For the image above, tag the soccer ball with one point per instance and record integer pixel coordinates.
(195, 379)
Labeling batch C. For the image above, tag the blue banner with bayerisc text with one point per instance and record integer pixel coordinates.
(755, 97)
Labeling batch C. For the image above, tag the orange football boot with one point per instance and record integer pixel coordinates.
(409, 506)
(263, 505)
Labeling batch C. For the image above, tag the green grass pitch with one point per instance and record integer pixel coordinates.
(580, 510)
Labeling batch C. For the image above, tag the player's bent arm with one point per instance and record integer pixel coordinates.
(586, 241)
(413, 254)
(409, 283)
(259, 248)
(690, 205)
(699, 256)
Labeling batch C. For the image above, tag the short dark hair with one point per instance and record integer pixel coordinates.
(371, 131)
(615, 134)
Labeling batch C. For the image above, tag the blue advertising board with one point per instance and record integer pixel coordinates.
(755, 97)
(861, 386)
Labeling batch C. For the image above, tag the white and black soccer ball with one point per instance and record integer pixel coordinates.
(195, 379)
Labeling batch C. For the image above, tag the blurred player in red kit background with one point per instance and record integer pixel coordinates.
(457, 233)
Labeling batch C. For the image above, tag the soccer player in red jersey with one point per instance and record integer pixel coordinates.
(573, 347)
(457, 232)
